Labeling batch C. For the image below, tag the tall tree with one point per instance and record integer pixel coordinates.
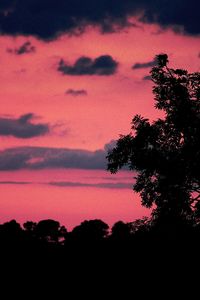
(165, 154)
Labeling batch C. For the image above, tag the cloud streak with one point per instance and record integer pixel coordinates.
(15, 182)
(102, 65)
(48, 19)
(116, 185)
(22, 127)
(65, 184)
(76, 93)
(147, 78)
(145, 65)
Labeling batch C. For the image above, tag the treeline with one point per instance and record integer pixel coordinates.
(145, 230)
(131, 254)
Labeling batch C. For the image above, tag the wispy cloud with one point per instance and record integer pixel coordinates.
(15, 182)
(76, 93)
(144, 65)
(65, 184)
(147, 77)
(25, 48)
(116, 185)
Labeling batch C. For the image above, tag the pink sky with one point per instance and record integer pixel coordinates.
(31, 83)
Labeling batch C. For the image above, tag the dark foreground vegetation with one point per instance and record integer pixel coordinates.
(128, 258)
(48, 235)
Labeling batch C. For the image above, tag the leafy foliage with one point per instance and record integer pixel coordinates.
(166, 153)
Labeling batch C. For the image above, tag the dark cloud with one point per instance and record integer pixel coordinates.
(15, 182)
(116, 185)
(43, 157)
(22, 127)
(102, 65)
(75, 93)
(144, 65)
(13, 159)
(23, 49)
(47, 19)
(147, 77)
(109, 146)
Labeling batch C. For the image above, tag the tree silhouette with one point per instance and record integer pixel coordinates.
(92, 230)
(140, 225)
(30, 226)
(165, 154)
(120, 231)
(50, 231)
(10, 232)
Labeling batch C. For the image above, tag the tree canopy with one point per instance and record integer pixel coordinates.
(165, 153)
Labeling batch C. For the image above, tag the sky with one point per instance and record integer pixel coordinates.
(73, 75)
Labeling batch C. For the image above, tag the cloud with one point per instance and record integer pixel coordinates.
(144, 65)
(147, 77)
(47, 19)
(116, 185)
(22, 127)
(75, 93)
(44, 157)
(102, 65)
(109, 146)
(15, 182)
(23, 49)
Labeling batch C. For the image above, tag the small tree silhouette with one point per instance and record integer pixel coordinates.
(50, 231)
(90, 231)
(121, 231)
(30, 227)
(10, 232)
(166, 153)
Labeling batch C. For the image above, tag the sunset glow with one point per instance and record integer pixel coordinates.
(56, 125)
